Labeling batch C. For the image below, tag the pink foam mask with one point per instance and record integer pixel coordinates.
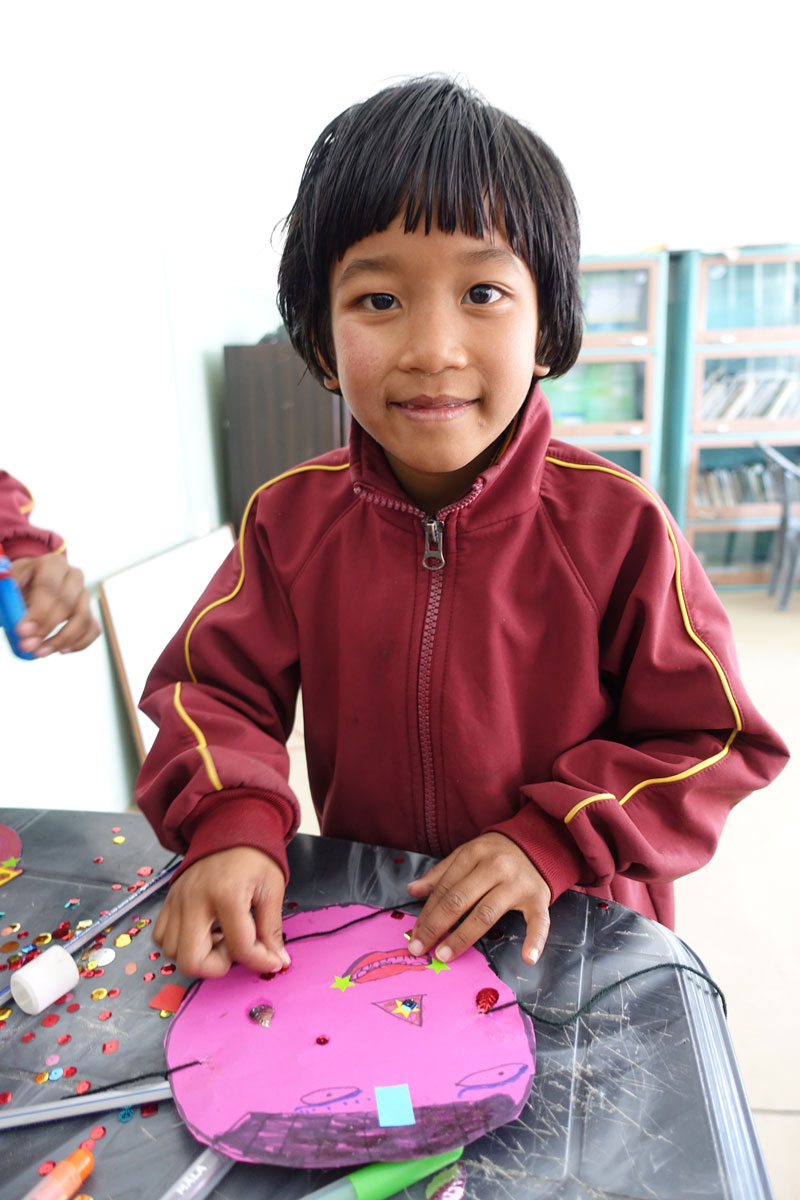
(357, 1052)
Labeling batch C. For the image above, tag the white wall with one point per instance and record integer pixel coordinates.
(148, 152)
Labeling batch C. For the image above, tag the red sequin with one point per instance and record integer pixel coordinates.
(486, 999)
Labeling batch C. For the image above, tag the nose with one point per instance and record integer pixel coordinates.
(433, 340)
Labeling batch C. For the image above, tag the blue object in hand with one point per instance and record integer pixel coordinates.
(12, 606)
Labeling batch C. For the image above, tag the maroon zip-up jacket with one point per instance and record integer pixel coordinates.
(564, 674)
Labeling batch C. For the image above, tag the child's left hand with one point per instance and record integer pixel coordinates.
(478, 884)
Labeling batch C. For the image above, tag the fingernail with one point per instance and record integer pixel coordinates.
(533, 955)
(287, 962)
(444, 953)
(416, 948)
(43, 651)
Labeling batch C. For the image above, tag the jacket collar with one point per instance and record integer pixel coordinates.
(508, 486)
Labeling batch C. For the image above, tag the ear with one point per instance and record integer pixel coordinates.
(540, 370)
(331, 383)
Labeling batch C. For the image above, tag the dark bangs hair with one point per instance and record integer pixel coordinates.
(438, 153)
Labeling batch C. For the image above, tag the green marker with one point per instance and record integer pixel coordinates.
(378, 1181)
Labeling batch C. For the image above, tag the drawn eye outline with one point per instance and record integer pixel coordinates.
(497, 1083)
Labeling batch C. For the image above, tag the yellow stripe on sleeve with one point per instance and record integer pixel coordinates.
(202, 744)
(687, 624)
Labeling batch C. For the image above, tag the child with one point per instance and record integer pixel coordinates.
(53, 590)
(510, 659)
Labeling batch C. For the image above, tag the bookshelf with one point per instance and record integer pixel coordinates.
(611, 400)
(733, 379)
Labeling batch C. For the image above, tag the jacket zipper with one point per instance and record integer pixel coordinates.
(433, 562)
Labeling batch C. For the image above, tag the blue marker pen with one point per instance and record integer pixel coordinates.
(12, 606)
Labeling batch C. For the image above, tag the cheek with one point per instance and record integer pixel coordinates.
(358, 358)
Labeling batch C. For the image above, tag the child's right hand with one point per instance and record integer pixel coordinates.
(206, 921)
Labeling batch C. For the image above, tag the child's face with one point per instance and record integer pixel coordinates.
(435, 340)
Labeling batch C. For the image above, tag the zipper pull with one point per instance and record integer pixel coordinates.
(433, 559)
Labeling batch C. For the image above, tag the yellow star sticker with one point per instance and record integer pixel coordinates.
(436, 966)
(399, 1011)
(342, 982)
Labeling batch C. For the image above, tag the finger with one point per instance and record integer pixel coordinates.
(79, 631)
(53, 598)
(268, 916)
(241, 939)
(452, 897)
(482, 917)
(427, 882)
(537, 920)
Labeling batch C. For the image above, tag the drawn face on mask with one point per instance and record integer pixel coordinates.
(359, 1051)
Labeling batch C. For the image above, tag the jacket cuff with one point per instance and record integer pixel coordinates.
(32, 543)
(237, 817)
(549, 846)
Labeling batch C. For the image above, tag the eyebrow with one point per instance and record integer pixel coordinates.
(385, 262)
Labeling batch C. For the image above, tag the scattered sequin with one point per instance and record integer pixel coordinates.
(322, 1040)
(98, 1132)
(69, 1072)
(262, 1014)
(50, 1020)
(43, 939)
(118, 840)
(144, 872)
(5, 1013)
(99, 859)
(51, 1060)
(87, 1144)
(5, 1097)
(103, 956)
(8, 947)
(103, 1016)
(65, 1037)
(148, 977)
(110, 1047)
(82, 1087)
(42, 1077)
(73, 902)
(113, 993)
(123, 939)
(73, 1007)
(486, 998)
(28, 1037)
(125, 1114)
(168, 969)
(56, 1073)
(149, 1110)
(46, 1167)
(99, 994)
(130, 968)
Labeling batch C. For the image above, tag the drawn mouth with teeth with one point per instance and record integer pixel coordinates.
(381, 964)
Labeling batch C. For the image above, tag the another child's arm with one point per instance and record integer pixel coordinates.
(52, 589)
(477, 885)
(54, 595)
(225, 908)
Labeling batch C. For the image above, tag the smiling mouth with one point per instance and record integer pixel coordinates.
(433, 408)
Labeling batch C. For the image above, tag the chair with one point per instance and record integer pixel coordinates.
(785, 477)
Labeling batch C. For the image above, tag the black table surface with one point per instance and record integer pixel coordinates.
(640, 1097)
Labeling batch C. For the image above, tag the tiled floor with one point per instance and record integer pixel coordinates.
(738, 913)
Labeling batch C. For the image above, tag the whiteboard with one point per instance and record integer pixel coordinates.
(143, 607)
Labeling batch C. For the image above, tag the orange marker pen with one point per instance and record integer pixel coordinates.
(65, 1178)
